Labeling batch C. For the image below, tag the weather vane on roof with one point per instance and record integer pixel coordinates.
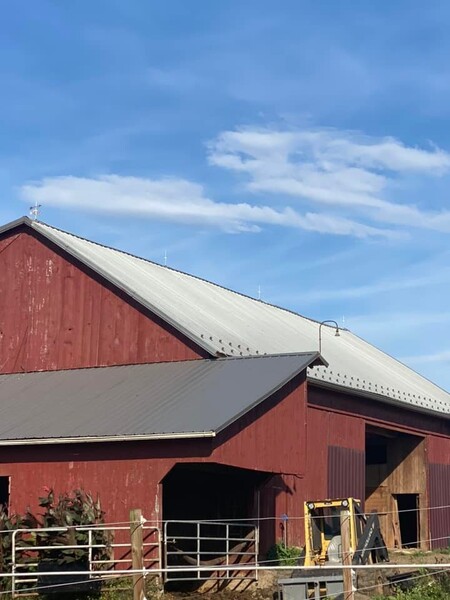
(35, 210)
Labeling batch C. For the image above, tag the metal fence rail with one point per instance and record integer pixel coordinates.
(181, 551)
(24, 552)
(121, 551)
(218, 550)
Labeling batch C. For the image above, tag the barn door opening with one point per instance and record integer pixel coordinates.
(408, 519)
(210, 516)
(396, 486)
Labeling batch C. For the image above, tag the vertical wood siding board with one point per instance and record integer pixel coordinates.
(56, 314)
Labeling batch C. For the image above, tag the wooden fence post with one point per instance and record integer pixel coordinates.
(137, 553)
(346, 555)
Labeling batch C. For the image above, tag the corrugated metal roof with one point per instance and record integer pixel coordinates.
(223, 321)
(196, 398)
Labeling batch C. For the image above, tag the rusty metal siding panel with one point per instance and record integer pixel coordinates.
(346, 473)
(439, 496)
(55, 314)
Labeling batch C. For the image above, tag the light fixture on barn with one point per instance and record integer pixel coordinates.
(336, 333)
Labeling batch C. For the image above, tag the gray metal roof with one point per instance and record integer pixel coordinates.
(196, 398)
(223, 321)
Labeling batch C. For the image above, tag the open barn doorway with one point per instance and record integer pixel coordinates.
(408, 519)
(210, 514)
(396, 486)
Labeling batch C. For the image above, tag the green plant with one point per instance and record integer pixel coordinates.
(8, 525)
(73, 514)
(71, 511)
(436, 587)
(284, 555)
(68, 549)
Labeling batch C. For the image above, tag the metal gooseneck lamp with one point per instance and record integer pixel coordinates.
(337, 331)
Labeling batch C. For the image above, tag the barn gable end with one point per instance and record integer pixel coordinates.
(55, 314)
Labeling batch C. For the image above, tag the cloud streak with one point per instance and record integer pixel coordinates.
(180, 200)
(439, 357)
(442, 276)
(325, 181)
(346, 171)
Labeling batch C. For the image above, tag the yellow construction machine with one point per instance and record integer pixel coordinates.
(323, 547)
(323, 533)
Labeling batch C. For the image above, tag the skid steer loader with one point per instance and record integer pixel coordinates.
(323, 548)
(323, 533)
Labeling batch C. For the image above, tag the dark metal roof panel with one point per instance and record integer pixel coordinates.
(160, 400)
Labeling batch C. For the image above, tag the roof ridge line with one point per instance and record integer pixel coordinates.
(156, 264)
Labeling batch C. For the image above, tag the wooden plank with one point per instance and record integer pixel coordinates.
(396, 524)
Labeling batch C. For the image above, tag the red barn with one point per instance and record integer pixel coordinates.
(161, 390)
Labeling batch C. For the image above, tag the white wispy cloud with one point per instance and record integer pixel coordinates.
(343, 170)
(441, 357)
(411, 282)
(397, 322)
(180, 200)
(348, 175)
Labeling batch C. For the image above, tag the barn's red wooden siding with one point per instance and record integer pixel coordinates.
(344, 434)
(377, 413)
(272, 436)
(55, 314)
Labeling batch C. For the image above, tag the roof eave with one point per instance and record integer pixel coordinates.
(13, 224)
(108, 438)
(316, 359)
(378, 397)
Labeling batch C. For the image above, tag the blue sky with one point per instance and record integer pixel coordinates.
(300, 147)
